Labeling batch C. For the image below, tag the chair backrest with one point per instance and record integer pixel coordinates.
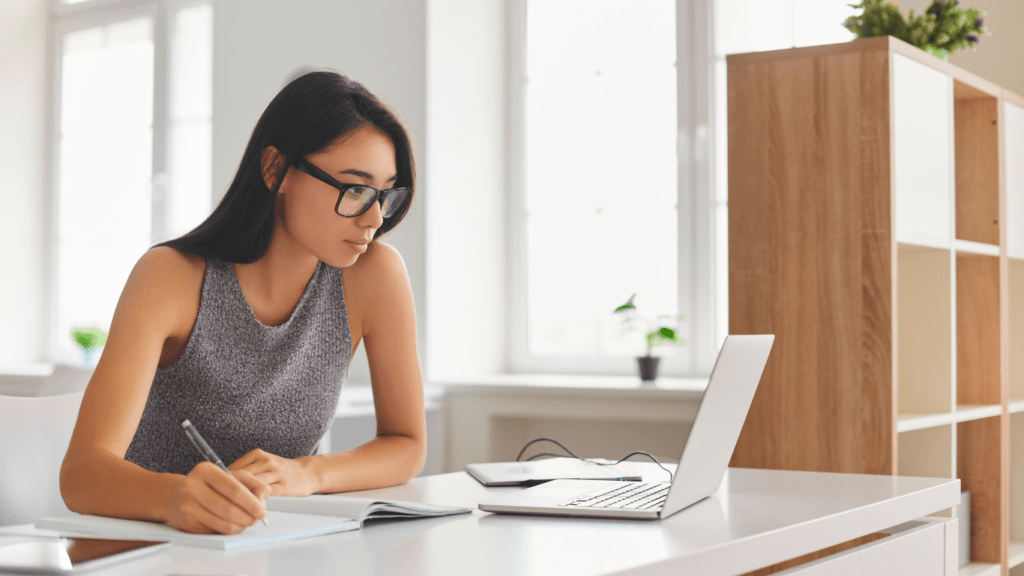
(34, 435)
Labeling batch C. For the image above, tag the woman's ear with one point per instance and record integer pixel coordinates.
(271, 162)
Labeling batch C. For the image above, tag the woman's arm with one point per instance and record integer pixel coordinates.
(161, 291)
(380, 307)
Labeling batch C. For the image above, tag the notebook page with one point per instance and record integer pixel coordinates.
(283, 526)
(361, 508)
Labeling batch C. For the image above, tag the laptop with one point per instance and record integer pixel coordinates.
(705, 455)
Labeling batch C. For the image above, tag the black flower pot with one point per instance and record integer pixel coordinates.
(648, 367)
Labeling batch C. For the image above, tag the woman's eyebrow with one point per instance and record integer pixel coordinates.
(366, 175)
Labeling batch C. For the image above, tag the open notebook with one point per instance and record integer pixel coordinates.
(288, 518)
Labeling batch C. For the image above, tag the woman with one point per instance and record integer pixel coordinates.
(246, 326)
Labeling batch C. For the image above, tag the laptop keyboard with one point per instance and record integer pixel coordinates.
(628, 496)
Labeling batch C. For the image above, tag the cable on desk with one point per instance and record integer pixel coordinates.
(571, 455)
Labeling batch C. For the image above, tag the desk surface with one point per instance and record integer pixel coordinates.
(757, 518)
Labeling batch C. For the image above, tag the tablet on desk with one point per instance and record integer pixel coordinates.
(530, 473)
(43, 555)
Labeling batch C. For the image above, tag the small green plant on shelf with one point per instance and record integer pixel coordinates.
(944, 27)
(662, 330)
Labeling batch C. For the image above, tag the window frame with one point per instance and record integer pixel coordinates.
(698, 298)
(66, 18)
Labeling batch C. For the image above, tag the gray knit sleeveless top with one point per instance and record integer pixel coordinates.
(245, 385)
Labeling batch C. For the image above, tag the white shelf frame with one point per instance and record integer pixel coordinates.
(970, 247)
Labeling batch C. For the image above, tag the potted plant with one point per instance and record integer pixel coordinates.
(944, 27)
(658, 331)
(91, 340)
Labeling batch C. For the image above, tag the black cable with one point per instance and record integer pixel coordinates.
(559, 444)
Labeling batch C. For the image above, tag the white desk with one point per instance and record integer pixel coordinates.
(757, 518)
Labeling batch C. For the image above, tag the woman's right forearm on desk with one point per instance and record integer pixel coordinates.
(99, 482)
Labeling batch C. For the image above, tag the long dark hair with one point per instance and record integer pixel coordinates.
(305, 117)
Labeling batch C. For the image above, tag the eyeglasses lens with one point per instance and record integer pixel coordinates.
(393, 201)
(357, 199)
(354, 200)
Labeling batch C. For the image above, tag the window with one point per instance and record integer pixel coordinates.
(131, 149)
(605, 200)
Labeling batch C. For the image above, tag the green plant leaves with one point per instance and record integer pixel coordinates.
(89, 337)
(627, 306)
(944, 25)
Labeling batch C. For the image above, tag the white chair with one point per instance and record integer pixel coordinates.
(34, 435)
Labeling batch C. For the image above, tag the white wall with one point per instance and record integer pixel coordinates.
(466, 165)
(258, 44)
(23, 208)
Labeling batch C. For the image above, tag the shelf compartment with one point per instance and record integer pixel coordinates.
(926, 453)
(922, 139)
(1016, 554)
(1016, 278)
(1016, 487)
(976, 150)
(977, 329)
(978, 464)
(924, 330)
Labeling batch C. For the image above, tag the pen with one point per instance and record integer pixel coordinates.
(205, 450)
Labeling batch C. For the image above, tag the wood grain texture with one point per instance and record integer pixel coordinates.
(979, 467)
(978, 347)
(976, 145)
(811, 253)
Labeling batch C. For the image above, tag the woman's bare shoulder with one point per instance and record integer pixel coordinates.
(168, 266)
(165, 278)
(381, 267)
(376, 282)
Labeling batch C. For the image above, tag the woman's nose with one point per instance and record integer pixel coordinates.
(373, 217)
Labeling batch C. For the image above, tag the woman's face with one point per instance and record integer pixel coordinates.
(363, 156)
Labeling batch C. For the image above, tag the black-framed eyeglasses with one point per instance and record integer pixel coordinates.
(354, 199)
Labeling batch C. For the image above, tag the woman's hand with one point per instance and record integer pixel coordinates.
(286, 477)
(210, 501)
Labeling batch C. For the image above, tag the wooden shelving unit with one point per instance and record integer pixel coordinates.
(876, 227)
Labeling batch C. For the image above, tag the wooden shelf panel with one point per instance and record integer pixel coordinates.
(793, 241)
(976, 126)
(977, 328)
(924, 330)
(979, 453)
(1016, 406)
